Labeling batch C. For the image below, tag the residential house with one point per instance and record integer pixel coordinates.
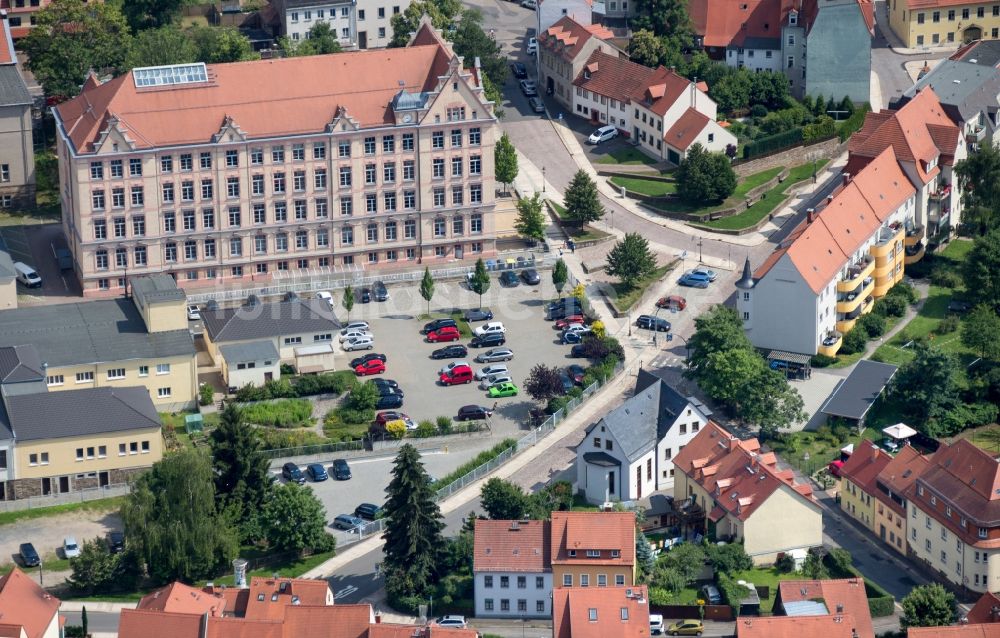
(592, 549)
(622, 612)
(142, 340)
(829, 269)
(927, 145)
(512, 569)
(365, 159)
(891, 486)
(819, 626)
(843, 597)
(364, 24)
(300, 331)
(953, 510)
(17, 151)
(21, 14)
(178, 598)
(549, 12)
(744, 496)
(627, 455)
(983, 52)
(251, 363)
(942, 23)
(28, 610)
(985, 611)
(8, 279)
(821, 47)
(264, 598)
(563, 50)
(857, 482)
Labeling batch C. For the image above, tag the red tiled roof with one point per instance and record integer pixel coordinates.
(511, 546)
(900, 474)
(614, 76)
(604, 531)
(969, 478)
(842, 626)
(245, 628)
(7, 53)
(264, 98)
(986, 610)
(24, 603)
(723, 23)
(11, 631)
(180, 598)
(269, 596)
(864, 464)
(842, 595)
(571, 612)
(142, 623)
(686, 129)
(335, 621)
(868, 13)
(384, 630)
(956, 631)
(567, 36)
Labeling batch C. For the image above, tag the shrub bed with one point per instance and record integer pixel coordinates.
(483, 457)
(283, 413)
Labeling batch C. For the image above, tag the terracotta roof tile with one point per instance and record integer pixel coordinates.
(7, 53)
(571, 609)
(11, 631)
(970, 479)
(244, 628)
(513, 546)
(614, 76)
(180, 598)
(798, 627)
(686, 129)
(986, 610)
(567, 36)
(335, 621)
(24, 603)
(384, 630)
(899, 475)
(269, 596)
(723, 23)
(141, 623)
(604, 531)
(842, 595)
(959, 631)
(865, 464)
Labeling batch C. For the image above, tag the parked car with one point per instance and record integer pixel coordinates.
(711, 594)
(490, 327)
(355, 362)
(356, 334)
(576, 373)
(380, 292)
(705, 272)
(518, 70)
(508, 279)
(386, 390)
(603, 134)
(576, 327)
(459, 621)
(567, 382)
(194, 312)
(578, 351)
(458, 374)
(325, 297)
(655, 624)
(451, 366)
(529, 88)
(479, 314)
(495, 379)
(341, 470)
(365, 295)
(531, 48)
(488, 340)
(70, 547)
(291, 472)
(536, 104)
(437, 324)
(450, 352)
(959, 307)
(529, 4)
(116, 542)
(564, 310)
(694, 281)
(574, 336)
(571, 320)
(496, 354)
(384, 417)
(505, 389)
(373, 366)
(29, 556)
(355, 325)
(531, 276)
(649, 322)
(686, 628)
(673, 302)
(389, 401)
(358, 343)
(473, 413)
(496, 368)
(317, 472)
(347, 522)
(367, 511)
(27, 275)
(562, 302)
(387, 384)
(448, 333)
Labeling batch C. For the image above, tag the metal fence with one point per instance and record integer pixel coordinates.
(66, 498)
(319, 448)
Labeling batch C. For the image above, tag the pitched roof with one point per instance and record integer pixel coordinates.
(26, 604)
(389, 630)
(982, 52)
(262, 98)
(964, 89)
(158, 287)
(614, 76)
(144, 623)
(7, 53)
(864, 464)
(269, 596)
(622, 612)
(842, 626)
(567, 36)
(19, 364)
(511, 546)
(899, 475)
(333, 621)
(840, 596)
(986, 610)
(734, 472)
(13, 90)
(90, 332)
(856, 394)
(56, 415)
(247, 351)
(604, 531)
(266, 321)
(955, 631)
(686, 129)
(968, 477)
(723, 23)
(180, 598)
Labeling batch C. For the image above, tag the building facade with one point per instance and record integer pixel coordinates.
(593, 549)
(17, 151)
(358, 24)
(857, 482)
(512, 570)
(21, 14)
(563, 51)
(891, 486)
(622, 612)
(942, 23)
(354, 160)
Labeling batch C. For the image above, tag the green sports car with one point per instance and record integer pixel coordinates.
(505, 389)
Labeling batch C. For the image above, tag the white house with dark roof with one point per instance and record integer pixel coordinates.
(250, 362)
(628, 454)
(512, 569)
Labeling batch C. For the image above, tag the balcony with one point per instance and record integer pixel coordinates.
(845, 325)
(853, 299)
(914, 236)
(883, 247)
(856, 274)
(975, 134)
(943, 192)
(913, 254)
(868, 304)
(831, 344)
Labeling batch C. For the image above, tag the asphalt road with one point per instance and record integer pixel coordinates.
(887, 64)
(97, 622)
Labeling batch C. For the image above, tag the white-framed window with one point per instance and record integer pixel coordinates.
(163, 393)
(567, 580)
(84, 377)
(54, 379)
(116, 373)
(162, 368)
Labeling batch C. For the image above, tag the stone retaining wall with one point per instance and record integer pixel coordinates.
(827, 149)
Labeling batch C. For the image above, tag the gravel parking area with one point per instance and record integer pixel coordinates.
(47, 533)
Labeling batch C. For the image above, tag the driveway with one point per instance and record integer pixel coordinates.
(32, 244)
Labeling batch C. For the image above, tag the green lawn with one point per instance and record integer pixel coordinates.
(626, 297)
(743, 187)
(288, 569)
(626, 155)
(770, 578)
(751, 182)
(578, 233)
(96, 506)
(645, 186)
(765, 206)
(821, 445)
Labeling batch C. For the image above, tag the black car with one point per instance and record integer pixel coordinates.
(508, 279)
(341, 470)
(381, 294)
(562, 301)
(567, 383)
(437, 324)
(389, 401)
(479, 314)
(366, 358)
(367, 511)
(649, 322)
(473, 413)
(564, 311)
(576, 373)
(488, 340)
(381, 383)
(291, 472)
(531, 276)
(450, 352)
(578, 351)
(365, 295)
(519, 70)
(316, 472)
(116, 542)
(388, 390)
(29, 556)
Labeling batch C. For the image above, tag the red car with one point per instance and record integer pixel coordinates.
(673, 302)
(570, 321)
(448, 333)
(458, 374)
(374, 366)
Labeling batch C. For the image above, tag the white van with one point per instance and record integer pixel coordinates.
(27, 275)
(602, 134)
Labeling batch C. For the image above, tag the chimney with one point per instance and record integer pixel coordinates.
(829, 199)
(810, 215)
(694, 91)
(514, 526)
(203, 626)
(847, 178)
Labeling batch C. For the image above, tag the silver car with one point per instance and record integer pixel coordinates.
(359, 343)
(496, 354)
(355, 334)
(496, 368)
(495, 379)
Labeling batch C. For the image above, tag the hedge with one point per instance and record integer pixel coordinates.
(483, 457)
(882, 606)
(773, 143)
(854, 123)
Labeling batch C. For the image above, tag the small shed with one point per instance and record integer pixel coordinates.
(854, 396)
(193, 423)
(315, 358)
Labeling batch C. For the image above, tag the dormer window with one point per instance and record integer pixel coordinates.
(572, 553)
(593, 553)
(793, 18)
(586, 74)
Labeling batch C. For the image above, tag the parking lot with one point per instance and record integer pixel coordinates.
(32, 245)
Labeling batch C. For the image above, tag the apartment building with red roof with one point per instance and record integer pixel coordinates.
(235, 174)
(857, 482)
(27, 610)
(592, 549)
(740, 494)
(622, 612)
(512, 569)
(955, 631)
(890, 488)
(829, 270)
(953, 510)
(22, 14)
(797, 599)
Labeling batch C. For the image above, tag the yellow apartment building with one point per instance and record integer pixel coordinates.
(857, 482)
(943, 23)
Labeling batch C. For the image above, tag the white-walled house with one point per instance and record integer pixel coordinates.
(359, 24)
(512, 570)
(28, 610)
(627, 455)
(250, 362)
(551, 11)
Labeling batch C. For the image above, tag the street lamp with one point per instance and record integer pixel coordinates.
(805, 463)
(700, 242)
(543, 179)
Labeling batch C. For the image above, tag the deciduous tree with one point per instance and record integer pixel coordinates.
(928, 606)
(687, 559)
(979, 181)
(543, 383)
(631, 260)
(927, 387)
(705, 177)
(480, 282)
(981, 332)
(560, 275)
(96, 570)
(505, 161)
(363, 396)
(530, 222)
(295, 520)
(152, 14)
(158, 47)
(348, 301)
(221, 44)
(981, 269)
(581, 200)
(503, 500)
(427, 288)
(322, 40)
(646, 48)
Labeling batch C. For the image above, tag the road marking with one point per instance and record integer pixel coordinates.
(345, 592)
